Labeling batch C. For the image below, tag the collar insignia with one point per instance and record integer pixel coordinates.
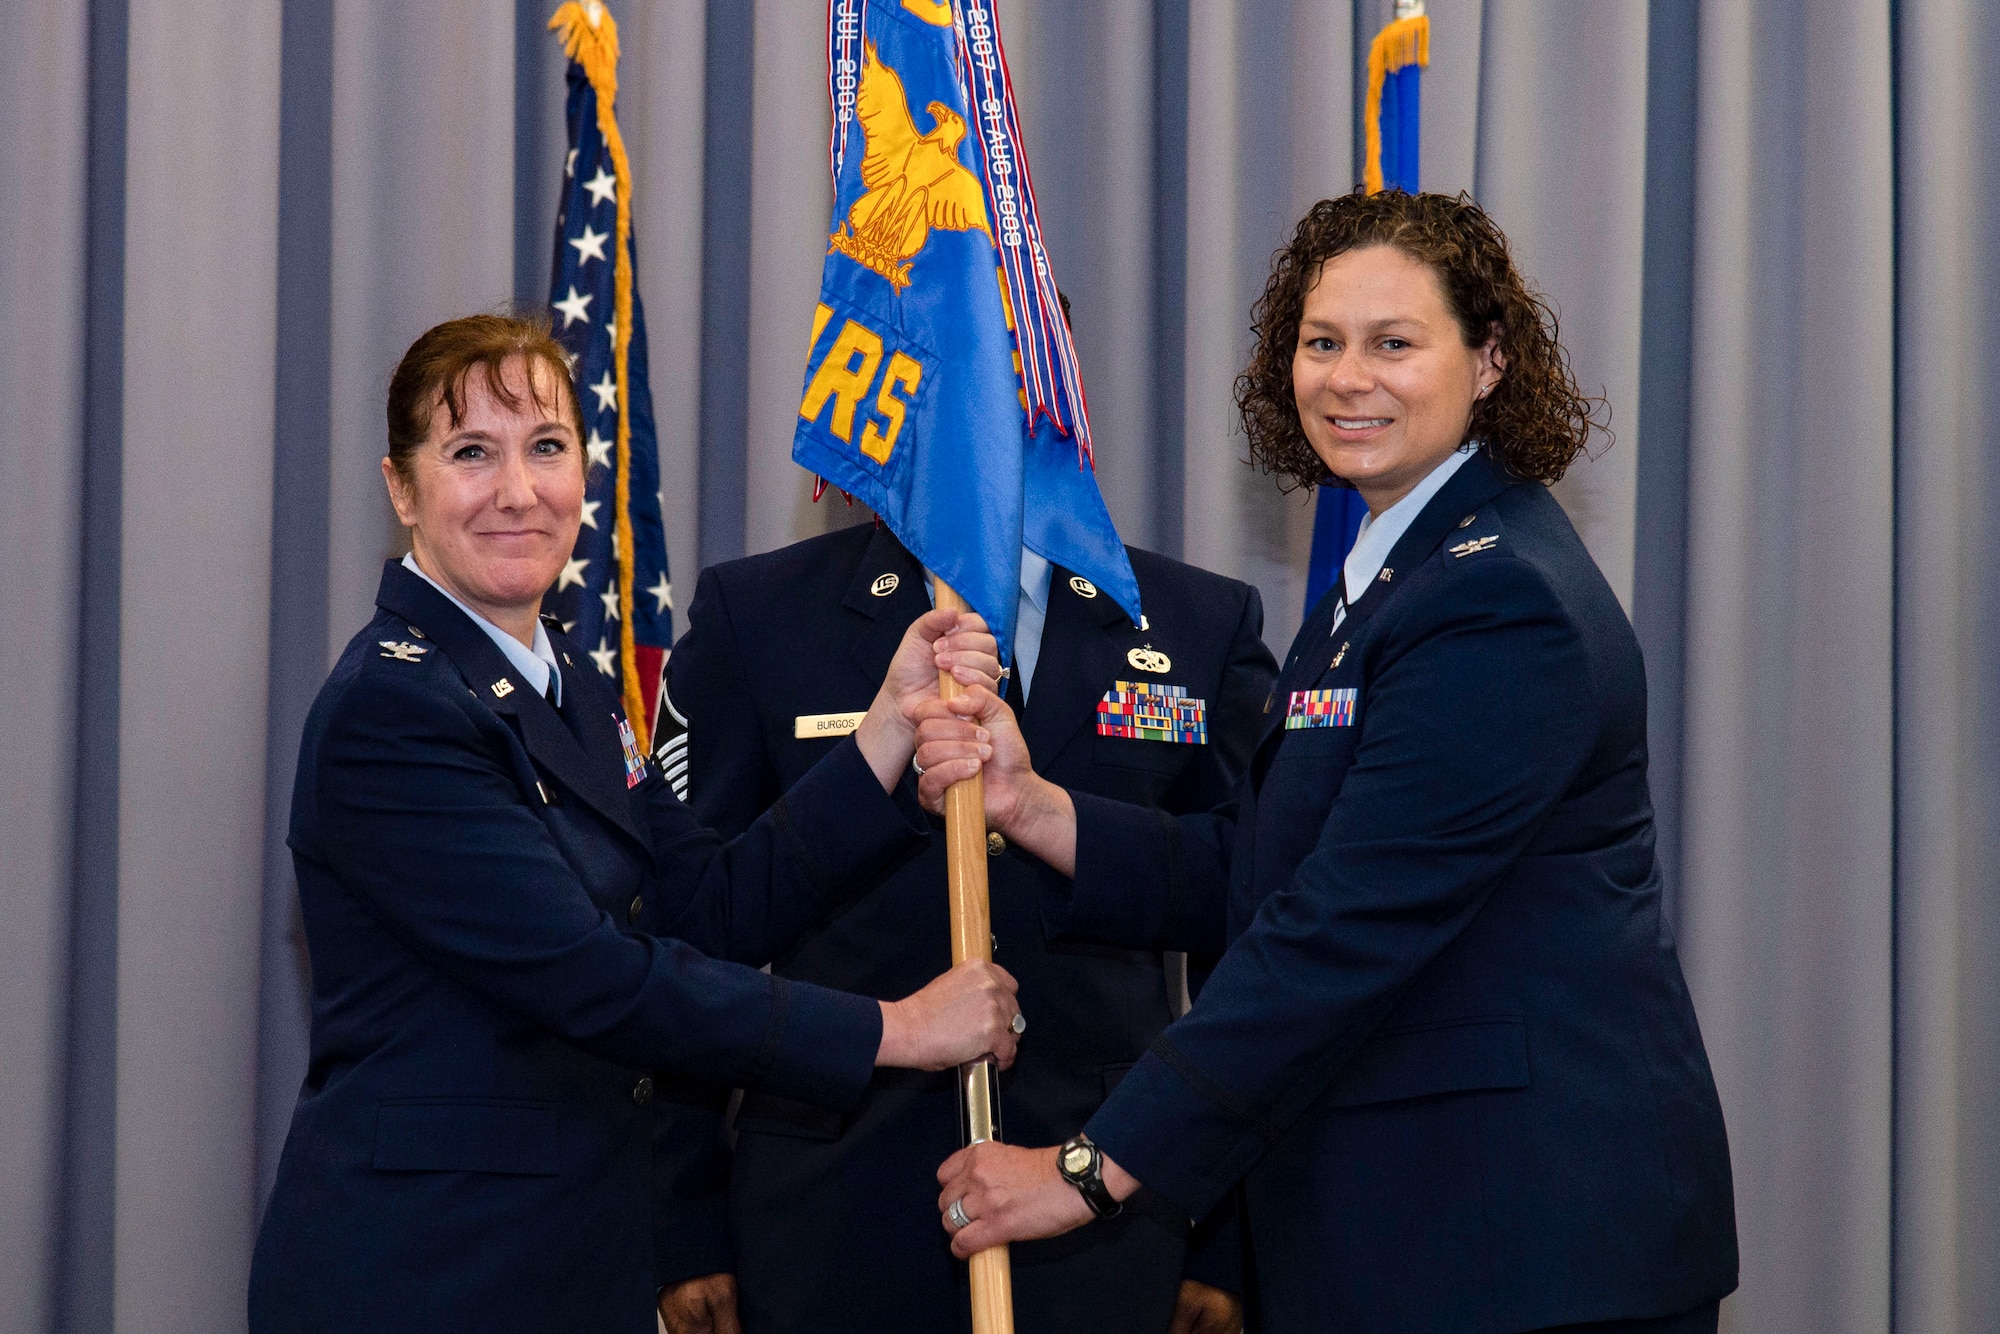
(884, 585)
(502, 688)
(1082, 587)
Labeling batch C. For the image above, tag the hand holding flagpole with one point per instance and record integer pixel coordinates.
(972, 938)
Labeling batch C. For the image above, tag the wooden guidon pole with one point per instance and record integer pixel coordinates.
(972, 938)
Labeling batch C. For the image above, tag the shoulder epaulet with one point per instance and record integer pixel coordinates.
(1478, 532)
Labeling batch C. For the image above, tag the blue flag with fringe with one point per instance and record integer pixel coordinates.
(941, 385)
(1396, 60)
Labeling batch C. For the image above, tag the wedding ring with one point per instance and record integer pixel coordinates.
(918, 767)
(1020, 1024)
(957, 1215)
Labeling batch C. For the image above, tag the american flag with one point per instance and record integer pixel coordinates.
(613, 596)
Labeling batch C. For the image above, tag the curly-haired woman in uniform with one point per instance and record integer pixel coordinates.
(1448, 1055)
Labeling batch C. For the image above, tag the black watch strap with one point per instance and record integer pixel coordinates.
(1082, 1165)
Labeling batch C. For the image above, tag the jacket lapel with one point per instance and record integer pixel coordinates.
(498, 686)
(1477, 481)
(888, 589)
(1078, 662)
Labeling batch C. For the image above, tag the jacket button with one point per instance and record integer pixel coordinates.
(995, 844)
(642, 1092)
(633, 909)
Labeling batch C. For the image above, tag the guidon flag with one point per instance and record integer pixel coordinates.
(941, 385)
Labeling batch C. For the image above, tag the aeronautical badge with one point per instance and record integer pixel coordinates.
(403, 652)
(635, 758)
(1475, 546)
(1320, 708)
(1153, 711)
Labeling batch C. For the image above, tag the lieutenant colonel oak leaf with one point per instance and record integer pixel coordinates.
(915, 182)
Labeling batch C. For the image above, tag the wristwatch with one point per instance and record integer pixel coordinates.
(1082, 1165)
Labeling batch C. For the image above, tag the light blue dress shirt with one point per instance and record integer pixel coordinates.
(1378, 536)
(1031, 613)
(536, 665)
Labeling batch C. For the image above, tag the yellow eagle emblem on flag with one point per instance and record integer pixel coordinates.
(915, 182)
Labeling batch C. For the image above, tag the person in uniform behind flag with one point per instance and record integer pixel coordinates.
(822, 1219)
(1449, 1052)
(511, 915)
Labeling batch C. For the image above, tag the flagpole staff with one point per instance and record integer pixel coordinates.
(972, 938)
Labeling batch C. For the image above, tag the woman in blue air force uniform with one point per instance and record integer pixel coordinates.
(1448, 1052)
(511, 916)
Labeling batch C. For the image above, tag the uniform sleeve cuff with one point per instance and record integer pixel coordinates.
(822, 1045)
(1118, 846)
(1178, 1142)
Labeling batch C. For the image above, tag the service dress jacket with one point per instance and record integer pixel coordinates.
(832, 1220)
(1449, 1052)
(514, 926)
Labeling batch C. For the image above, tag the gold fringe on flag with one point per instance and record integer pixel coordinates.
(590, 37)
(1401, 44)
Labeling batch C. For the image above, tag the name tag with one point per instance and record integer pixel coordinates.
(1320, 708)
(1152, 711)
(809, 725)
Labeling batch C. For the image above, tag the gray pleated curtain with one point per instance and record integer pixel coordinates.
(1768, 230)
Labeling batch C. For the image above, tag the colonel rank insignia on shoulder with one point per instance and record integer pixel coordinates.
(1151, 711)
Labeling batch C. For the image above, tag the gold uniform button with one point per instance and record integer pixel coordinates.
(995, 844)
(633, 909)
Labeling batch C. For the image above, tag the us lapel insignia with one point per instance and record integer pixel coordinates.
(1477, 544)
(1153, 711)
(1386, 575)
(402, 652)
(1338, 655)
(635, 758)
(884, 585)
(502, 688)
(1082, 587)
(1150, 659)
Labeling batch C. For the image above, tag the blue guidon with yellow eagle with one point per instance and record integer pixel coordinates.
(924, 395)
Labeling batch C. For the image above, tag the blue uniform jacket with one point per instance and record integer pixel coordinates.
(510, 927)
(834, 1214)
(1449, 1052)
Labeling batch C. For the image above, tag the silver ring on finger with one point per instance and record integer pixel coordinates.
(918, 767)
(1019, 1024)
(957, 1215)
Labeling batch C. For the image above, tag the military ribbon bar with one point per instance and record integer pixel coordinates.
(1149, 711)
(1320, 708)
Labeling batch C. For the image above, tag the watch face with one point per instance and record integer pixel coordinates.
(1076, 1160)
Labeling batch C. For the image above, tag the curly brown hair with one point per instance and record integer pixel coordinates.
(1535, 422)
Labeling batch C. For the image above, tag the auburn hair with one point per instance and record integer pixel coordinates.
(436, 369)
(1536, 420)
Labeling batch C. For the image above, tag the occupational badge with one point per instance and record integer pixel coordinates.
(1150, 659)
(402, 652)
